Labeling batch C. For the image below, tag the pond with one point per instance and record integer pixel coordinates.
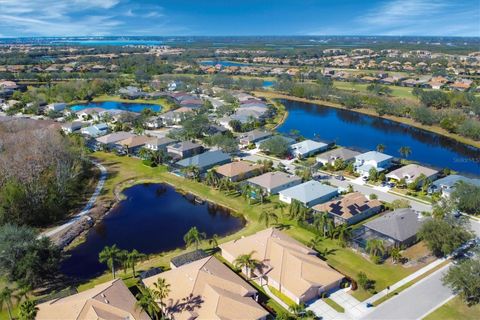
(364, 132)
(127, 106)
(153, 218)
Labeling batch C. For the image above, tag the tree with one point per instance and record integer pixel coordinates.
(464, 280)
(111, 257)
(213, 241)
(267, 217)
(276, 145)
(133, 257)
(396, 254)
(343, 233)
(375, 248)
(400, 204)
(320, 222)
(442, 236)
(211, 178)
(146, 301)
(247, 262)
(280, 205)
(161, 289)
(28, 310)
(26, 259)
(467, 197)
(193, 236)
(364, 281)
(405, 151)
(372, 174)
(7, 297)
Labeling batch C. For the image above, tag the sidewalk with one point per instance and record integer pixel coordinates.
(405, 280)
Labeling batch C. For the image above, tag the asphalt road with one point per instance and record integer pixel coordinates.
(415, 302)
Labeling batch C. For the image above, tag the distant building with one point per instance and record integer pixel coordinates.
(411, 172)
(274, 182)
(307, 148)
(373, 159)
(205, 161)
(184, 149)
(447, 184)
(71, 127)
(239, 170)
(60, 106)
(343, 154)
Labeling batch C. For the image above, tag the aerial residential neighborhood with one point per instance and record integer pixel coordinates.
(240, 160)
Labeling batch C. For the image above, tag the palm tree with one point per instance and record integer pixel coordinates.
(381, 147)
(297, 309)
(247, 262)
(194, 236)
(110, 256)
(330, 228)
(396, 254)
(161, 289)
(246, 191)
(6, 297)
(259, 194)
(213, 241)
(133, 257)
(314, 242)
(146, 301)
(144, 153)
(320, 222)
(268, 217)
(211, 178)
(405, 151)
(375, 247)
(280, 205)
(343, 234)
(28, 310)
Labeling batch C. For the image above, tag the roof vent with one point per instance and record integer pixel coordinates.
(106, 301)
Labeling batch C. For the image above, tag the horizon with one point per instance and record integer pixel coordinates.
(85, 18)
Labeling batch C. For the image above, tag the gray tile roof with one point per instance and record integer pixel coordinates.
(451, 180)
(399, 225)
(339, 153)
(206, 159)
(271, 180)
(373, 155)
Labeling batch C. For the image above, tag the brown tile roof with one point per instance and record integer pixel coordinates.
(272, 180)
(207, 289)
(106, 301)
(348, 206)
(135, 141)
(237, 168)
(287, 261)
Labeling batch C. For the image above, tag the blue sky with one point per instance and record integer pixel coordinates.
(239, 17)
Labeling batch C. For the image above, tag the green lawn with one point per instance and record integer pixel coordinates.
(400, 92)
(334, 305)
(455, 309)
(125, 171)
(281, 296)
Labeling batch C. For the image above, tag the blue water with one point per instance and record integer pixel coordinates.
(153, 218)
(267, 84)
(363, 132)
(133, 107)
(223, 63)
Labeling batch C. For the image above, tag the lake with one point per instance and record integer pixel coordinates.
(364, 132)
(153, 218)
(127, 106)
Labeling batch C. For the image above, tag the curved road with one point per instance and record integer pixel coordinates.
(88, 206)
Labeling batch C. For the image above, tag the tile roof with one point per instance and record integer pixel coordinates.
(308, 191)
(106, 301)
(272, 180)
(399, 225)
(207, 289)
(238, 168)
(205, 159)
(412, 171)
(348, 206)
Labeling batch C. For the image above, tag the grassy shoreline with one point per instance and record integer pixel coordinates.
(407, 121)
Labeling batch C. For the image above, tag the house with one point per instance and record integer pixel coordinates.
(131, 92)
(156, 144)
(285, 264)
(447, 184)
(90, 113)
(133, 144)
(308, 193)
(184, 149)
(344, 154)
(55, 107)
(372, 159)
(289, 141)
(239, 170)
(71, 127)
(274, 182)
(188, 257)
(207, 289)
(398, 227)
(350, 208)
(253, 136)
(109, 300)
(205, 161)
(307, 148)
(411, 173)
(153, 122)
(96, 130)
(111, 140)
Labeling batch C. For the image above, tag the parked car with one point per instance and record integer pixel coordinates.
(340, 177)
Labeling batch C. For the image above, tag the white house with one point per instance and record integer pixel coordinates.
(372, 159)
(59, 106)
(71, 127)
(307, 148)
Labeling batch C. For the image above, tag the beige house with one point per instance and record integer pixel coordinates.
(287, 265)
(208, 289)
(106, 301)
(412, 172)
(239, 170)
